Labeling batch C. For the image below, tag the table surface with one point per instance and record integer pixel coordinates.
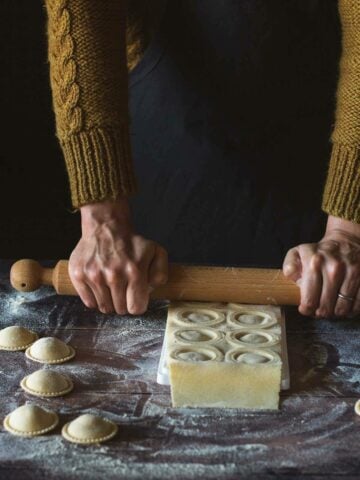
(314, 435)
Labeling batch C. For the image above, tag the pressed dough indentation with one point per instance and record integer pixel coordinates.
(197, 335)
(252, 358)
(251, 319)
(199, 318)
(194, 335)
(256, 320)
(252, 338)
(196, 354)
(193, 356)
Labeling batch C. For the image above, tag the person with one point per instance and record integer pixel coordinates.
(224, 113)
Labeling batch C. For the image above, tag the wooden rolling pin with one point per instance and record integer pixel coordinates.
(197, 283)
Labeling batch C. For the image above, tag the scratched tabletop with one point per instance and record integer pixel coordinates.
(314, 435)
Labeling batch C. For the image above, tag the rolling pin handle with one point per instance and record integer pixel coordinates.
(28, 275)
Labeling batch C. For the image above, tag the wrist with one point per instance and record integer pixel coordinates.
(116, 212)
(337, 225)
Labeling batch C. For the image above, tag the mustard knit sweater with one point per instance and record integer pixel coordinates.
(89, 57)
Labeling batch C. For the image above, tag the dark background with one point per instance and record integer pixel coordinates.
(37, 220)
(36, 213)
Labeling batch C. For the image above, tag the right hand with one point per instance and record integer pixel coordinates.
(112, 268)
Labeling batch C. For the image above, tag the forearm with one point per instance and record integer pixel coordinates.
(342, 190)
(88, 77)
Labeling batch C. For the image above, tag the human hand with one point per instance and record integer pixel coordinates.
(111, 267)
(328, 272)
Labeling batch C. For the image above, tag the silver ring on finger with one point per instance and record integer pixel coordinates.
(346, 297)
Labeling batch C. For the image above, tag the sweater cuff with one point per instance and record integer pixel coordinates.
(99, 164)
(342, 190)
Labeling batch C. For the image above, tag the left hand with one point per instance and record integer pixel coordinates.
(328, 272)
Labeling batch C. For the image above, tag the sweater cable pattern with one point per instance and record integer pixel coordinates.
(63, 70)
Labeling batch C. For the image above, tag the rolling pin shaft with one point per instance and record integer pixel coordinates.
(192, 283)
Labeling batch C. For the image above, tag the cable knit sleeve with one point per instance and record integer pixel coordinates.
(88, 78)
(342, 190)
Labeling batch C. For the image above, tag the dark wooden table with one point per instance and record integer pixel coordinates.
(316, 433)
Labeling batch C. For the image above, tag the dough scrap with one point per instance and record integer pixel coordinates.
(357, 407)
(87, 429)
(47, 383)
(30, 420)
(50, 350)
(16, 338)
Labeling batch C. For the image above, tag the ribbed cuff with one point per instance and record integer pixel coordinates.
(99, 164)
(342, 190)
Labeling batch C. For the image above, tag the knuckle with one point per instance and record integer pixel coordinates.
(112, 275)
(138, 238)
(302, 247)
(306, 248)
(93, 274)
(335, 269)
(288, 268)
(133, 271)
(316, 261)
(77, 273)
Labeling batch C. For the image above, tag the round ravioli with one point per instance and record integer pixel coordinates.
(88, 428)
(16, 338)
(30, 420)
(50, 350)
(47, 383)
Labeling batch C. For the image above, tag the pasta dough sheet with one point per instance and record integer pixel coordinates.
(224, 355)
